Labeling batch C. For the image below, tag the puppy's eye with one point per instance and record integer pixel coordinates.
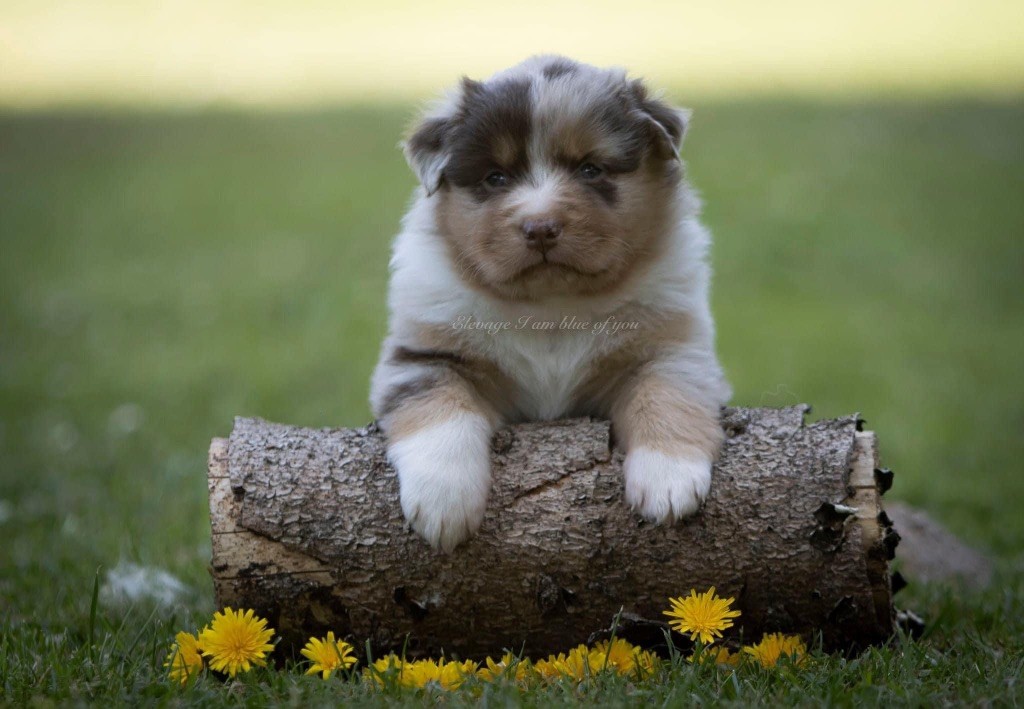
(588, 171)
(497, 178)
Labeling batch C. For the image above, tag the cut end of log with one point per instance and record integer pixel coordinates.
(307, 531)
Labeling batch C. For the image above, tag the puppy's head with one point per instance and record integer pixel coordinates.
(551, 178)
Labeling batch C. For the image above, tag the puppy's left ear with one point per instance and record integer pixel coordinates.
(666, 124)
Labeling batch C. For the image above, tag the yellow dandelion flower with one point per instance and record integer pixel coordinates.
(451, 675)
(774, 646)
(550, 668)
(577, 663)
(328, 655)
(235, 641)
(553, 667)
(618, 655)
(572, 665)
(389, 666)
(646, 663)
(622, 657)
(446, 675)
(184, 660)
(508, 666)
(421, 673)
(717, 656)
(703, 616)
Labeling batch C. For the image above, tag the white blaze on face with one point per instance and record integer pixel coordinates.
(537, 196)
(561, 104)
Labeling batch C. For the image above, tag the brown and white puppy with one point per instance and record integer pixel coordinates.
(552, 264)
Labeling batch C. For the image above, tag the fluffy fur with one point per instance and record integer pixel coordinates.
(552, 264)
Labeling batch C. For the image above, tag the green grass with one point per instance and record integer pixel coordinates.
(868, 258)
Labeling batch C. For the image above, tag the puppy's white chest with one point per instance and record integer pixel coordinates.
(548, 367)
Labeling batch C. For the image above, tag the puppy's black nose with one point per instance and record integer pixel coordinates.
(541, 233)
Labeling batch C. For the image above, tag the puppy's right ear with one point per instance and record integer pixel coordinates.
(425, 151)
(427, 147)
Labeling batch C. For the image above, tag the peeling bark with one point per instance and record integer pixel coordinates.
(307, 530)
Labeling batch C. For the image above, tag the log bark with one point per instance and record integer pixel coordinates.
(307, 530)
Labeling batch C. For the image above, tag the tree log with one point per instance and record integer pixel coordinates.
(308, 531)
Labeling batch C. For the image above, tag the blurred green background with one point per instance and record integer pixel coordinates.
(197, 200)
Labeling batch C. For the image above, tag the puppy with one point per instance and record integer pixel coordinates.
(551, 264)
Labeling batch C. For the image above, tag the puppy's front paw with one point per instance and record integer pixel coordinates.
(664, 488)
(444, 476)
